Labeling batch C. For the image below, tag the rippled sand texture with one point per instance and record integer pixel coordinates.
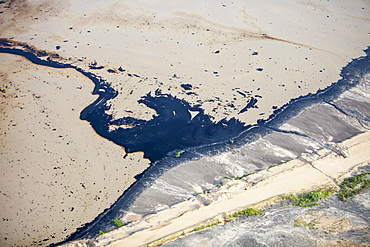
(58, 174)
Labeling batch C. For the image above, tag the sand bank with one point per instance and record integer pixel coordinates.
(292, 177)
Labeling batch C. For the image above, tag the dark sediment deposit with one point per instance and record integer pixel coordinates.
(304, 125)
(251, 104)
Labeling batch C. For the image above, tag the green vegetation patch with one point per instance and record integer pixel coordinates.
(178, 154)
(353, 186)
(306, 199)
(118, 223)
(312, 204)
(241, 177)
(101, 233)
(278, 164)
(205, 226)
(246, 212)
(245, 175)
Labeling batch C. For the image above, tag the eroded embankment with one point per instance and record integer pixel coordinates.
(331, 222)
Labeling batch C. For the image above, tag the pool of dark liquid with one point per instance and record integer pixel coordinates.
(173, 127)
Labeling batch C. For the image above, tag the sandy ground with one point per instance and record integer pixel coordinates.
(292, 177)
(228, 51)
(216, 46)
(56, 173)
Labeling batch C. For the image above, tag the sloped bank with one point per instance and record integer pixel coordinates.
(266, 186)
(331, 223)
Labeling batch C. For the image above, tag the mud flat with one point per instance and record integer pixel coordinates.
(220, 55)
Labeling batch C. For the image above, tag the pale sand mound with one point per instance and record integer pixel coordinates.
(57, 173)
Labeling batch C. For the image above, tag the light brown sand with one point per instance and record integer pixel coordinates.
(292, 177)
(56, 172)
(301, 45)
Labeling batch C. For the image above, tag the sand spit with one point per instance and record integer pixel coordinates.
(291, 177)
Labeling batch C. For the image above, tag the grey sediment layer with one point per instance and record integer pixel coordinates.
(304, 125)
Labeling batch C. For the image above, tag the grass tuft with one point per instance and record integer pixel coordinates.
(278, 164)
(306, 199)
(312, 204)
(245, 175)
(205, 226)
(118, 223)
(178, 154)
(241, 177)
(247, 212)
(353, 185)
(101, 233)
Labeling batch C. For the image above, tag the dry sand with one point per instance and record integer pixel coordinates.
(292, 177)
(57, 173)
(301, 46)
(211, 45)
